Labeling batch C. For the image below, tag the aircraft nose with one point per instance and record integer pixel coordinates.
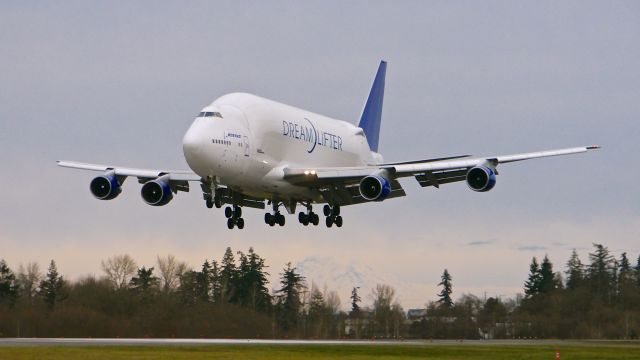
(192, 142)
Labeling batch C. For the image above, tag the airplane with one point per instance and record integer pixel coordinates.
(245, 151)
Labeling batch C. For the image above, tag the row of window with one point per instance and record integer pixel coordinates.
(210, 114)
(221, 142)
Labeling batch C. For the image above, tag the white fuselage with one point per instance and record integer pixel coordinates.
(250, 140)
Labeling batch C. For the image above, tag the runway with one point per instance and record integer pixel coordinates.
(213, 342)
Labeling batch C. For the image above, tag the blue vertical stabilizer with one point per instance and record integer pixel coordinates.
(372, 113)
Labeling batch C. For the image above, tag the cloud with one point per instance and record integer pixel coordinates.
(532, 248)
(481, 242)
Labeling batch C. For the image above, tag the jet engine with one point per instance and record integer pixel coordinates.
(481, 178)
(374, 187)
(105, 187)
(157, 192)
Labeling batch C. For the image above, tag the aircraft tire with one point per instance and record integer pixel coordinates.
(217, 202)
(230, 223)
(329, 221)
(335, 210)
(237, 211)
(209, 203)
(316, 219)
(267, 218)
(280, 219)
(326, 210)
(339, 221)
(228, 212)
(240, 223)
(301, 217)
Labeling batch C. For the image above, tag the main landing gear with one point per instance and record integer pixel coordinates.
(272, 219)
(234, 216)
(309, 217)
(333, 215)
(213, 202)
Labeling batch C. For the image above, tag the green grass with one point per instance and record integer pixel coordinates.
(266, 352)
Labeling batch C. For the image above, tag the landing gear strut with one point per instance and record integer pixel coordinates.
(234, 216)
(333, 215)
(309, 217)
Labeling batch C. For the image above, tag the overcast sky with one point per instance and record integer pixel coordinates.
(120, 82)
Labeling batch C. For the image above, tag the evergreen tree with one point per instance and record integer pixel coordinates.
(575, 271)
(625, 281)
(532, 285)
(255, 281)
(51, 286)
(216, 290)
(638, 271)
(203, 282)
(8, 284)
(145, 284)
(227, 276)
(289, 302)
(355, 299)
(188, 289)
(445, 294)
(547, 278)
(600, 273)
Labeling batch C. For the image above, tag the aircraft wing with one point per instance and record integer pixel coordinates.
(179, 179)
(344, 180)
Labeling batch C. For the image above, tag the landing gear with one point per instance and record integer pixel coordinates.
(333, 215)
(309, 217)
(234, 217)
(273, 219)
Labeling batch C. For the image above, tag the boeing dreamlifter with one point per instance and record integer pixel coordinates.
(245, 150)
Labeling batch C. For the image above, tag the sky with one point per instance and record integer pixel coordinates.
(120, 83)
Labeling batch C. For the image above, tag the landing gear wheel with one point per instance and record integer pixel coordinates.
(339, 221)
(217, 202)
(301, 217)
(237, 211)
(228, 212)
(315, 219)
(272, 220)
(267, 218)
(329, 221)
(240, 223)
(209, 203)
(280, 219)
(326, 210)
(230, 223)
(335, 210)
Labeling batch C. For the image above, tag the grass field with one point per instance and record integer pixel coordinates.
(496, 352)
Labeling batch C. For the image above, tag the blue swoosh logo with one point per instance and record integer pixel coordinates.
(315, 136)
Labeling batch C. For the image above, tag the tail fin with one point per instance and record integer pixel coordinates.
(372, 113)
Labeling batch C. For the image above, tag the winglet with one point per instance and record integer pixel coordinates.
(372, 113)
(593, 147)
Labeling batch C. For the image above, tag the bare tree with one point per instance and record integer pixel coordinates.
(383, 296)
(170, 270)
(29, 277)
(119, 269)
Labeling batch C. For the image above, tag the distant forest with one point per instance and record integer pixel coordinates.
(230, 298)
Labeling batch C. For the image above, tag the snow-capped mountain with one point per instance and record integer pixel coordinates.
(342, 277)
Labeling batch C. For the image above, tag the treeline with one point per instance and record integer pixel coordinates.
(231, 298)
(596, 300)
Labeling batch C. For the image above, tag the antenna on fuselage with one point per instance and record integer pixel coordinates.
(372, 112)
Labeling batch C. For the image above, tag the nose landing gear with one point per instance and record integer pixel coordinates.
(234, 217)
(333, 215)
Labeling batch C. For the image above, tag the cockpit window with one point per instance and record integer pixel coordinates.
(210, 114)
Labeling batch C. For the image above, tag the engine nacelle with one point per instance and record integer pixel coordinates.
(156, 192)
(105, 187)
(481, 178)
(374, 188)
